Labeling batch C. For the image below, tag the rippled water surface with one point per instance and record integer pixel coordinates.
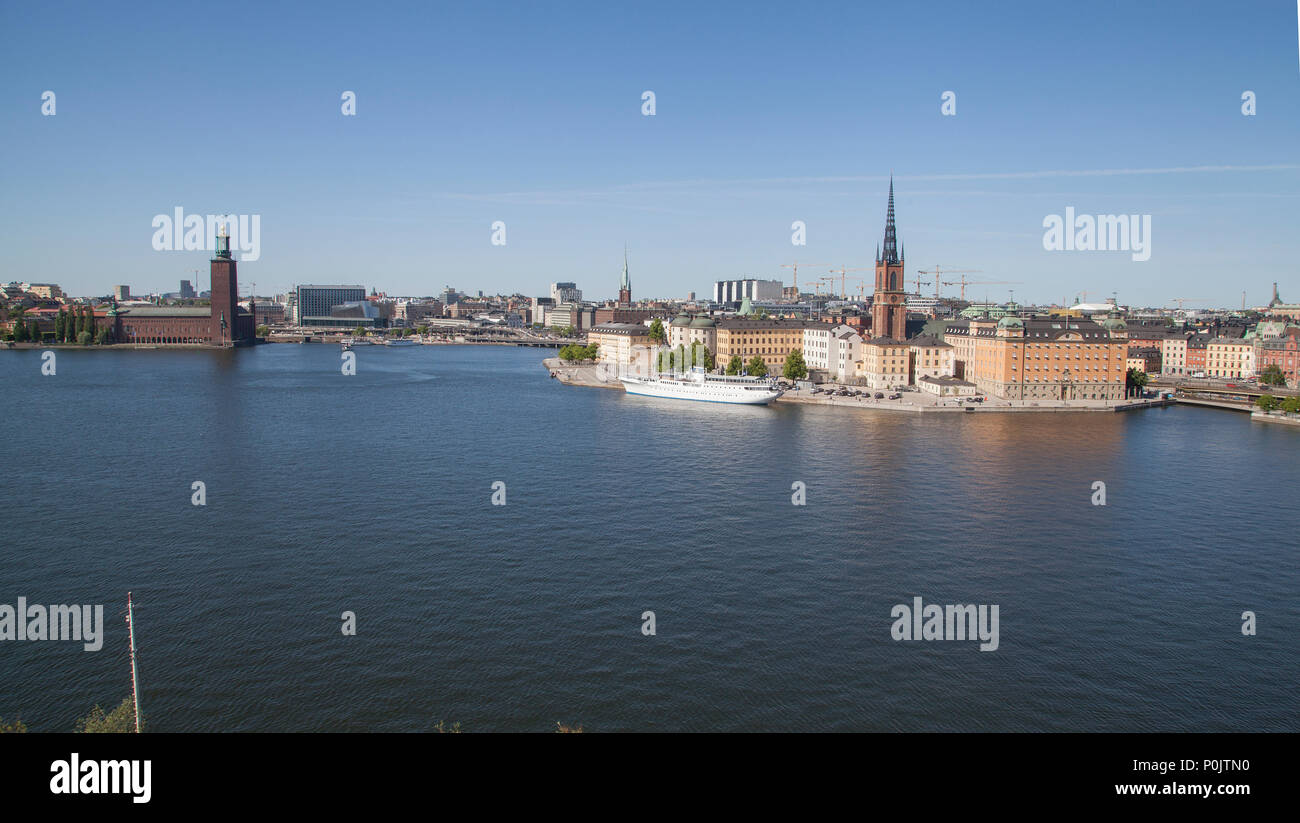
(371, 493)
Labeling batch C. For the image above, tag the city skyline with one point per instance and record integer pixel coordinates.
(452, 137)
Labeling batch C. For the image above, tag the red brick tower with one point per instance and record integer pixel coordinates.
(225, 294)
(888, 301)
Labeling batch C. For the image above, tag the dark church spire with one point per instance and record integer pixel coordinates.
(891, 239)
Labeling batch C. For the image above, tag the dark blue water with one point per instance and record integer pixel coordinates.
(372, 493)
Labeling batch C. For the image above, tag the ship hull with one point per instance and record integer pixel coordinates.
(701, 394)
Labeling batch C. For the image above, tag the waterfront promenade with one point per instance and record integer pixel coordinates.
(592, 376)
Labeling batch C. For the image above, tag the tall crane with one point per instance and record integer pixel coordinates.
(844, 292)
(1181, 300)
(963, 282)
(937, 274)
(795, 267)
(818, 285)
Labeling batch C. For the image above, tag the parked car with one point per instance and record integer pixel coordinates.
(895, 396)
(880, 395)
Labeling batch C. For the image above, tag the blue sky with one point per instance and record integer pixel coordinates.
(765, 114)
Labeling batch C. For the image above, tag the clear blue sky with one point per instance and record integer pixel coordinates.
(766, 113)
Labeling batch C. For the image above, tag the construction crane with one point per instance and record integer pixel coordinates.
(1181, 300)
(795, 267)
(842, 269)
(918, 280)
(937, 274)
(964, 283)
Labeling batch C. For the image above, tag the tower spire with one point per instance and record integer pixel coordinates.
(891, 238)
(625, 283)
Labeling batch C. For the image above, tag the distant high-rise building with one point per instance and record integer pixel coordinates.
(315, 302)
(187, 289)
(566, 293)
(732, 292)
(121, 293)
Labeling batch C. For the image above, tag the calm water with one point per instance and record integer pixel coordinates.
(372, 493)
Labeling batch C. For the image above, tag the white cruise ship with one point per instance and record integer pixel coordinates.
(710, 388)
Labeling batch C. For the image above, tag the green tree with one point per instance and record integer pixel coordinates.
(795, 367)
(58, 326)
(1272, 376)
(1135, 381)
(20, 331)
(593, 351)
(119, 721)
(263, 330)
(756, 367)
(1291, 405)
(1267, 402)
(83, 338)
(34, 332)
(102, 337)
(358, 331)
(734, 365)
(701, 356)
(657, 331)
(574, 352)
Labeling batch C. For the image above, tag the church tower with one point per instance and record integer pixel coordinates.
(625, 285)
(888, 301)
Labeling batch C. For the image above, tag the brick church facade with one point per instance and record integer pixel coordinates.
(889, 300)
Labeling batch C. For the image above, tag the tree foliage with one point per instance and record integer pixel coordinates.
(795, 367)
(756, 367)
(734, 365)
(119, 721)
(657, 331)
(1267, 402)
(1272, 376)
(16, 727)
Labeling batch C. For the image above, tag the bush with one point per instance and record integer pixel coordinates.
(84, 338)
(119, 721)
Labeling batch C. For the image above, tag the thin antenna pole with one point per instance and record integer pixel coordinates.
(135, 678)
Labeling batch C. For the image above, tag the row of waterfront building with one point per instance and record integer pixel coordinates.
(1040, 357)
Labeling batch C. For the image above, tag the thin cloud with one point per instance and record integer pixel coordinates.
(576, 197)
